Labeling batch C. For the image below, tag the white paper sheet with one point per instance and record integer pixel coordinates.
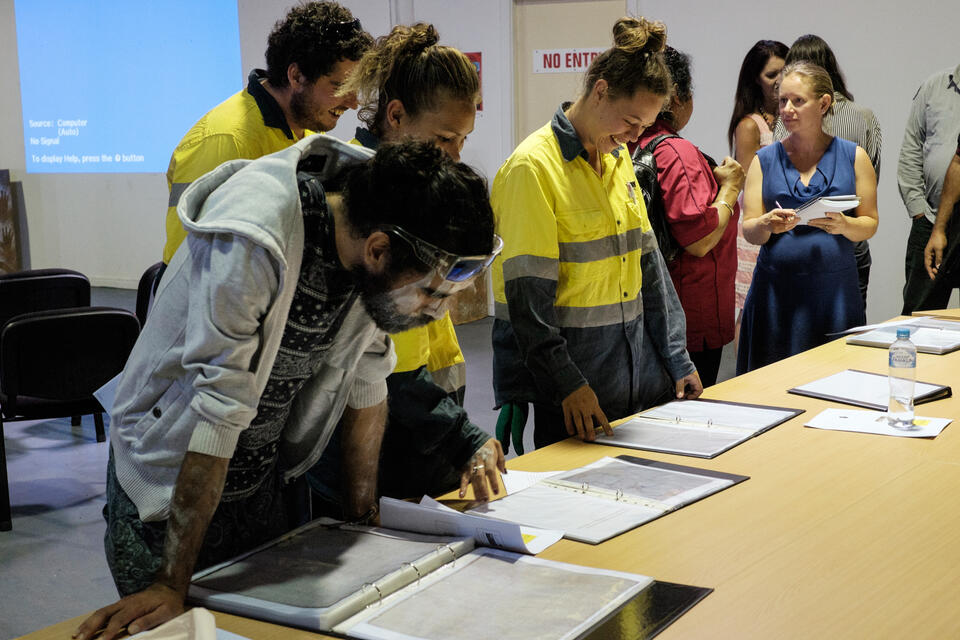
(875, 422)
(432, 517)
(868, 327)
(195, 624)
(106, 394)
(514, 481)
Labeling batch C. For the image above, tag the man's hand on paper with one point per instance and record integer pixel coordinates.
(933, 252)
(835, 223)
(582, 414)
(135, 613)
(689, 387)
(779, 220)
(481, 471)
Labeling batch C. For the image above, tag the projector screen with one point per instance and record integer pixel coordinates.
(111, 86)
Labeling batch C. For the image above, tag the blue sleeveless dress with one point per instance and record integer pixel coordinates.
(805, 282)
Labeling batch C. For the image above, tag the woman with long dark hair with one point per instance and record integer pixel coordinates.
(754, 112)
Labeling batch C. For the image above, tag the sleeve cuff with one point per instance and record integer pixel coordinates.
(918, 206)
(680, 366)
(567, 380)
(213, 439)
(365, 394)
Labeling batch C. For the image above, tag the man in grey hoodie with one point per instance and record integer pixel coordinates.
(267, 329)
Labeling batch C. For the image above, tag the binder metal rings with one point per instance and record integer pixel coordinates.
(414, 567)
(453, 554)
(379, 600)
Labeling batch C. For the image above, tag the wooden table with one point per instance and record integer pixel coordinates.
(835, 535)
(949, 314)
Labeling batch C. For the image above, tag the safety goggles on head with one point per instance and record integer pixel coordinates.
(449, 266)
(340, 30)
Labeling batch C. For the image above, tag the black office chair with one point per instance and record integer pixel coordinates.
(147, 287)
(40, 290)
(51, 362)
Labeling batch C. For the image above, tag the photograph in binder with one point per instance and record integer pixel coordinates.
(601, 500)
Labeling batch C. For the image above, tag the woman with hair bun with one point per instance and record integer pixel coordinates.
(588, 326)
(805, 284)
(409, 86)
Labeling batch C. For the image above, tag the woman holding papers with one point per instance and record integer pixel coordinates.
(588, 325)
(805, 285)
(700, 206)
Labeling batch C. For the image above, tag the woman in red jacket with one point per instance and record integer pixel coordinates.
(700, 205)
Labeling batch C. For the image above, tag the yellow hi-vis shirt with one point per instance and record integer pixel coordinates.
(561, 221)
(582, 294)
(435, 345)
(249, 124)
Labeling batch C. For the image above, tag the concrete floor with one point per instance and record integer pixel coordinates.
(52, 565)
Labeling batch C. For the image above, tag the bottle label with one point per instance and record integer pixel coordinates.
(901, 358)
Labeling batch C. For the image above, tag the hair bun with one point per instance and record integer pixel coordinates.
(417, 37)
(639, 35)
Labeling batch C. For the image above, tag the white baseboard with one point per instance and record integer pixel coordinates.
(113, 282)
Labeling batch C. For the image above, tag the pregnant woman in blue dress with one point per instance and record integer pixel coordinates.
(805, 283)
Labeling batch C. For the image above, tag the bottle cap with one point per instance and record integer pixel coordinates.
(903, 332)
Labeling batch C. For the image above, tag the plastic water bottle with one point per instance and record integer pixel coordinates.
(903, 373)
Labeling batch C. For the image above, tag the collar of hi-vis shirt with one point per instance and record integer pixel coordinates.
(570, 145)
(269, 107)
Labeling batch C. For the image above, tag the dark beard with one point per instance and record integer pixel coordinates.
(301, 113)
(375, 295)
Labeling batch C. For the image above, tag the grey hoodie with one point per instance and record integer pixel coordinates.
(195, 376)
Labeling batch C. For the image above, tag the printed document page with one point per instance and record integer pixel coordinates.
(657, 435)
(694, 427)
(580, 516)
(523, 592)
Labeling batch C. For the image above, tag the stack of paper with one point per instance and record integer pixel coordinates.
(818, 207)
(930, 335)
